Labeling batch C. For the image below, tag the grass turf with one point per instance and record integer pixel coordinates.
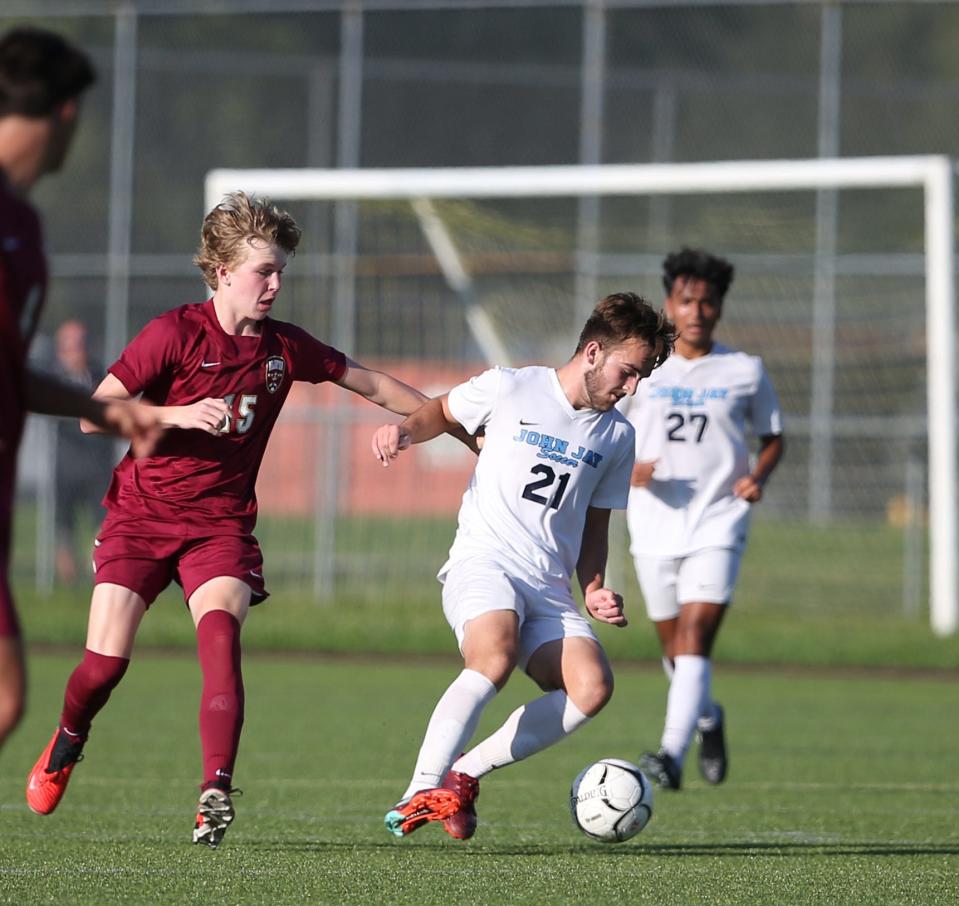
(842, 790)
(415, 625)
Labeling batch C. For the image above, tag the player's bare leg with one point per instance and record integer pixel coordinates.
(12, 684)
(577, 680)
(490, 646)
(115, 615)
(218, 608)
(578, 667)
(687, 642)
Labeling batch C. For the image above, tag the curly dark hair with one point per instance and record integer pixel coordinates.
(696, 263)
(39, 71)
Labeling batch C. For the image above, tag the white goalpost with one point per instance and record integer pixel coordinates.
(423, 188)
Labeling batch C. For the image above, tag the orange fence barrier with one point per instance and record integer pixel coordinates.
(429, 479)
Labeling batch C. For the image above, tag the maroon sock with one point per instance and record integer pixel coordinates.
(88, 689)
(221, 704)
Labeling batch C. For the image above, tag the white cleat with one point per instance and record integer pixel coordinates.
(213, 816)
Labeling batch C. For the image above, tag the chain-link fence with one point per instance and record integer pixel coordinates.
(186, 88)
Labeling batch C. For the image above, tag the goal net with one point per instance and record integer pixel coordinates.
(844, 285)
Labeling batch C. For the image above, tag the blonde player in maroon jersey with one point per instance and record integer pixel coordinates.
(41, 80)
(219, 372)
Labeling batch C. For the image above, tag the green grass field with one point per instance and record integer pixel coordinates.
(842, 790)
(396, 623)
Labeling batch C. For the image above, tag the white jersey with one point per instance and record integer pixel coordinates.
(690, 418)
(542, 465)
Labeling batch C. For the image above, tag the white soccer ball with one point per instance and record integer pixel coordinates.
(611, 800)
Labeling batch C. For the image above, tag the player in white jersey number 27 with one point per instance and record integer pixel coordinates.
(556, 458)
(693, 490)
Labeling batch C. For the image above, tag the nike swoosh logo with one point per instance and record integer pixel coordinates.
(209, 364)
(255, 574)
(527, 423)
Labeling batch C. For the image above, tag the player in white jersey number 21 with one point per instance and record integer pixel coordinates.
(556, 458)
(693, 490)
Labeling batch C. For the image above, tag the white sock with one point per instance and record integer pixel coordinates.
(528, 730)
(688, 692)
(451, 727)
(668, 667)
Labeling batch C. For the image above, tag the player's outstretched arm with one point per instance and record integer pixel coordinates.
(381, 388)
(428, 421)
(46, 394)
(750, 487)
(390, 393)
(603, 603)
(210, 415)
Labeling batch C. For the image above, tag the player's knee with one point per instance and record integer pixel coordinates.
(591, 693)
(495, 661)
(496, 666)
(492, 649)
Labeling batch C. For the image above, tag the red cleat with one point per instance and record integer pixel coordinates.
(48, 780)
(427, 805)
(462, 824)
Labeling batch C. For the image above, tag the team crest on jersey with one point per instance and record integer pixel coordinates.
(275, 370)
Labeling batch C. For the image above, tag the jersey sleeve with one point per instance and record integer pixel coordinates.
(612, 492)
(150, 354)
(472, 402)
(312, 360)
(765, 413)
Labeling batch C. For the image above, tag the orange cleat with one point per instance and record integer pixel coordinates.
(48, 780)
(427, 805)
(462, 824)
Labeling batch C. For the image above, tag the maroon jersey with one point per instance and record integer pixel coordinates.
(23, 283)
(181, 357)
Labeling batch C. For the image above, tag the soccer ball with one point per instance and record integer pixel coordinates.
(611, 800)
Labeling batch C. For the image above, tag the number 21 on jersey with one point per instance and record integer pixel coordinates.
(549, 477)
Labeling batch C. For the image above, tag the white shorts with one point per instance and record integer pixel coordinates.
(545, 613)
(668, 583)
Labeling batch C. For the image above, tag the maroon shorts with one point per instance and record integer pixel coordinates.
(145, 556)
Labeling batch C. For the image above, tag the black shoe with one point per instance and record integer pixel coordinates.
(712, 751)
(661, 768)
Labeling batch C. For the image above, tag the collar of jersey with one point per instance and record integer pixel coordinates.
(222, 337)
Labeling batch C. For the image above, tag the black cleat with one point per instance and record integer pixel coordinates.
(713, 761)
(661, 768)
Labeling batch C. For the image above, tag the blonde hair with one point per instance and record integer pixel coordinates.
(234, 224)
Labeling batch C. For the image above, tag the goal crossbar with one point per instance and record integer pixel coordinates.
(934, 174)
